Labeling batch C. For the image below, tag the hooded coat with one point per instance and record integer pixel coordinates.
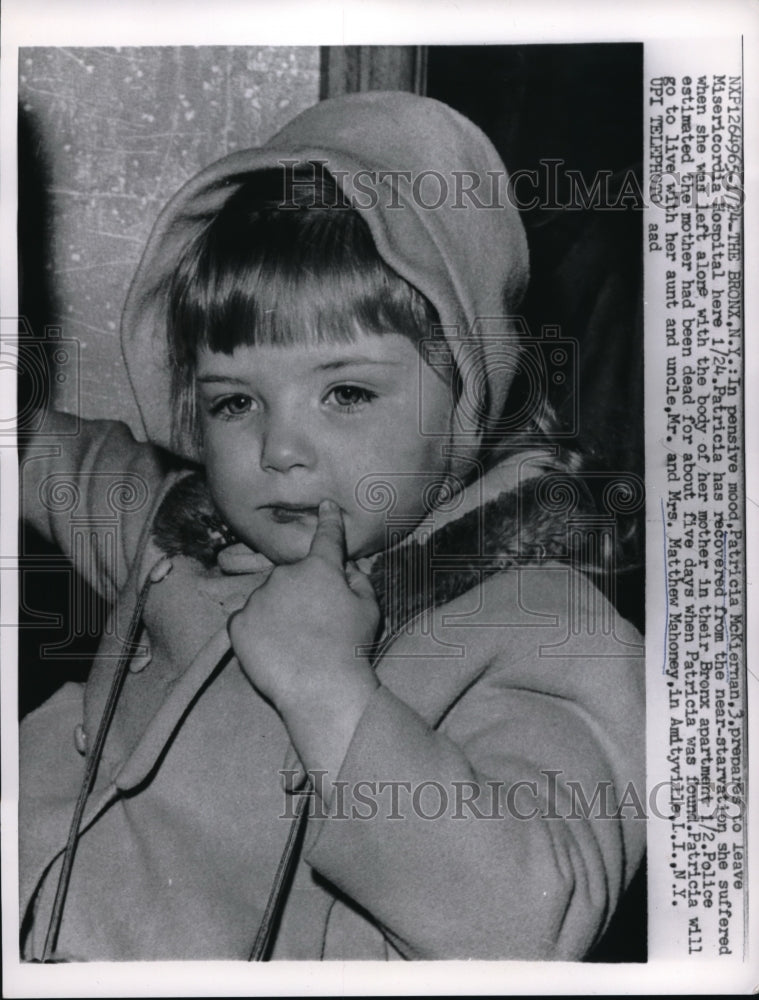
(489, 801)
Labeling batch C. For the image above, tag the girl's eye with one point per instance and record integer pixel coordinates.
(351, 397)
(232, 406)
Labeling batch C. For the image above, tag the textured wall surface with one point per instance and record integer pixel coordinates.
(107, 136)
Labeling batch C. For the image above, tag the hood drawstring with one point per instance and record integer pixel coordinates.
(262, 945)
(128, 649)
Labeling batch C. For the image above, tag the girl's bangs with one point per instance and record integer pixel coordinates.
(281, 276)
(319, 281)
(264, 274)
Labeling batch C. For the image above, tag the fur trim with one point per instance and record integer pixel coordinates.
(510, 530)
(188, 524)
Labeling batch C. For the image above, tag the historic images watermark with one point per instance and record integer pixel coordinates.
(551, 795)
(551, 185)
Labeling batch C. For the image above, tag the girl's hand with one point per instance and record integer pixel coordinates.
(297, 638)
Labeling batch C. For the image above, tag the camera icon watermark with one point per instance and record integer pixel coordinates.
(41, 364)
(503, 352)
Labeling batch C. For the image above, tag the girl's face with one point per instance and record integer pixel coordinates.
(284, 428)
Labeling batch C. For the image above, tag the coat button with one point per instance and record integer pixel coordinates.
(160, 570)
(80, 739)
(139, 661)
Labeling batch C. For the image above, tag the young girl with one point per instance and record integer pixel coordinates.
(355, 699)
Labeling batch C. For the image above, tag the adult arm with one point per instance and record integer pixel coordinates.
(89, 487)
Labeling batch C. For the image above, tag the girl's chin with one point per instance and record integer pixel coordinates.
(289, 543)
(283, 554)
(279, 542)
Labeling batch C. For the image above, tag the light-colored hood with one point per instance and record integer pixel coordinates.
(396, 156)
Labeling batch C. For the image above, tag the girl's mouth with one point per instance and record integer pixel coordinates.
(287, 513)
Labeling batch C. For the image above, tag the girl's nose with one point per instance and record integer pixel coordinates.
(286, 444)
